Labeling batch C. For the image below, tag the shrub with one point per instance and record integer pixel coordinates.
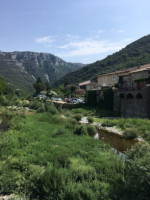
(25, 104)
(34, 105)
(107, 123)
(4, 101)
(90, 119)
(41, 108)
(130, 133)
(137, 167)
(80, 130)
(71, 123)
(51, 108)
(60, 108)
(59, 132)
(91, 129)
(78, 117)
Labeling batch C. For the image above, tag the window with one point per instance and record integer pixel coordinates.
(104, 79)
(113, 77)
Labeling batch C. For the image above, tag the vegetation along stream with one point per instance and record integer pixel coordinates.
(117, 142)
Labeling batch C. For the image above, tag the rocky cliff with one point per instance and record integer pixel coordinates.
(23, 68)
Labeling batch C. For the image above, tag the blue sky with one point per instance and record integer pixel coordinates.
(75, 30)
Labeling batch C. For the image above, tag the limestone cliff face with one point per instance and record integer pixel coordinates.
(22, 68)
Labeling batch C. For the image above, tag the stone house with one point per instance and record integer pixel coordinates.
(132, 97)
(110, 79)
(84, 84)
(103, 81)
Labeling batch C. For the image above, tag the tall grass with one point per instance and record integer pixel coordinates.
(45, 160)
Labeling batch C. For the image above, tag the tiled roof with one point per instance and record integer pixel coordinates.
(128, 71)
(85, 83)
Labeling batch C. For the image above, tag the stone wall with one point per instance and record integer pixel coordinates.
(133, 103)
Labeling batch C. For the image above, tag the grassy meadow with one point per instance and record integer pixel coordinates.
(48, 155)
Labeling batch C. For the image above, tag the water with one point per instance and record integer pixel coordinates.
(119, 144)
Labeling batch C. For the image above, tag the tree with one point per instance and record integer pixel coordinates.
(72, 88)
(2, 86)
(39, 86)
(48, 87)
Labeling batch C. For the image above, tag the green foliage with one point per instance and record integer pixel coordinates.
(2, 86)
(130, 133)
(91, 98)
(39, 86)
(4, 101)
(71, 123)
(51, 109)
(59, 132)
(107, 101)
(41, 108)
(107, 123)
(137, 172)
(80, 130)
(77, 117)
(45, 160)
(72, 88)
(130, 56)
(90, 119)
(140, 127)
(91, 129)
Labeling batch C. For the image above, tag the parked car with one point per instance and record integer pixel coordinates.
(42, 96)
(80, 100)
(67, 100)
(76, 100)
(56, 99)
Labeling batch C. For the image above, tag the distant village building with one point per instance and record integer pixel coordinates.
(132, 97)
(84, 84)
(96, 89)
(131, 88)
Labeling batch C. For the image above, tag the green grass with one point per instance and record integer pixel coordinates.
(141, 125)
(44, 160)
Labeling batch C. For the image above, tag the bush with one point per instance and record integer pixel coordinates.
(59, 132)
(60, 108)
(78, 117)
(90, 119)
(51, 108)
(80, 130)
(71, 123)
(130, 133)
(137, 168)
(91, 129)
(4, 101)
(34, 105)
(107, 123)
(41, 108)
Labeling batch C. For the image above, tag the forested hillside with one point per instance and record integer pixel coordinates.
(135, 53)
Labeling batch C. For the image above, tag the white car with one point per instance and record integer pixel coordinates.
(80, 100)
(56, 99)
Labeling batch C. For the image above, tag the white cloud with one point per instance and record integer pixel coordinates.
(91, 46)
(100, 31)
(120, 31)
(45, 40)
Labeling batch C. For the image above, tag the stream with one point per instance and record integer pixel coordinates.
(118, 144)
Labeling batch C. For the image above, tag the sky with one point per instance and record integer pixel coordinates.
(75, 30)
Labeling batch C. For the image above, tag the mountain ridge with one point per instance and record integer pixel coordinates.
(23, 67)
(138, 52)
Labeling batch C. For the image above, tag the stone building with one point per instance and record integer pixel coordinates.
(132, 97)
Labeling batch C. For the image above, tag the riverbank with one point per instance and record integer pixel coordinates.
(119, 125)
